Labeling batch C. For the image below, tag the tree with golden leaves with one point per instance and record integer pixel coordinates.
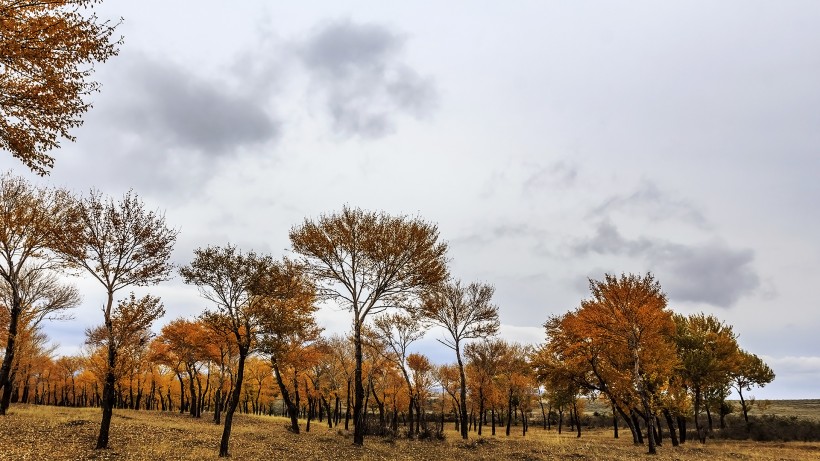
(47, 55)
(484, 362)
(120, 244)
(32, 223)
(286, 323)
(237, 283)
(628, 314)
(751, 371)
(397, 331)
(466, 312)
(368, 262)
(127, 334)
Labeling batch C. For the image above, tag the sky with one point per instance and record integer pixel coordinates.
(550, 141)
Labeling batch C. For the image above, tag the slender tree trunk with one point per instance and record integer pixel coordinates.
(237, 393)
(358, 415)
(614, 421)
(293, 411)
(11, 341)
(509, 412)
(669, 422)
(744, 407)
(110, 378)
(347, 405)
(193, 398)
(463, 402)
(577, 418)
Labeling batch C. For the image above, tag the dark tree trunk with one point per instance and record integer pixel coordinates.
(293, 411)
(11, 341)
(347, 406)
(577, 419)
(614, 421)
(110, 379)
(682, 429)
(358, 414)
(237, 393)
(637, 425)
(463, 396)
(670, 423)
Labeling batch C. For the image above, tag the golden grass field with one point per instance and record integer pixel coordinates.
(56, 433)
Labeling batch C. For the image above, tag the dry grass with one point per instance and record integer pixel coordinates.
(37, 433)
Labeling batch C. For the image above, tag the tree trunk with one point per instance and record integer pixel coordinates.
(577, 418)
(463, 402)
(358, 415)
(614, 421)
(283, 390)
(11, 341)
(744, 408)
(669, 422)
(237, 392)
(682, 428)
(110, 378)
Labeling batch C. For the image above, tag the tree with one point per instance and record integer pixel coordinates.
(708, 353)
(466, 312)
(47, 55)
(229, 278)
(627, 316)
(130, 325)
(285, 314)
(368, 262)
(484, 358)
(751, 371)
(40, 296)
(32, 220)
(397, 331)
(187, 341)
(120, 244)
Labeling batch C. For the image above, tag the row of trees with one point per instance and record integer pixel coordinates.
(390, 272)
(625, 345)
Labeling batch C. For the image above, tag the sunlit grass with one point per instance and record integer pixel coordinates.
(38, 432)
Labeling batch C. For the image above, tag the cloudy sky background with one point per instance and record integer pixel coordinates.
(550, 141)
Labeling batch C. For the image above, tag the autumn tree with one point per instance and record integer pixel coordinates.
(284, 313)
(120, 244)
(628, 328)
(187, 341)
(708, 353)
(484, 361)
(367, 262)
(466, 312)
(127, 330)
(32, 220)
(397, 331)
(47, 55)
(751, 371)
(229, 278)
(421, 371)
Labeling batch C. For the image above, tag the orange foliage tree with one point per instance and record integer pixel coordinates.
(368, 262)
(47, 55)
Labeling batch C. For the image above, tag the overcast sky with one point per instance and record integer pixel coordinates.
(550, 141)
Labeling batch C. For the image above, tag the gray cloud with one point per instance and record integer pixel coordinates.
(361, 80)
(175, 107)
(657, 204)
(559, 174)
(711, 273)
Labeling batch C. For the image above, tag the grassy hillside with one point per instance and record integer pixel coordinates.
(35, 433)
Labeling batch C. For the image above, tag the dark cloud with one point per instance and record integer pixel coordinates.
(711, 273)
(362, 82)
(177, 108)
